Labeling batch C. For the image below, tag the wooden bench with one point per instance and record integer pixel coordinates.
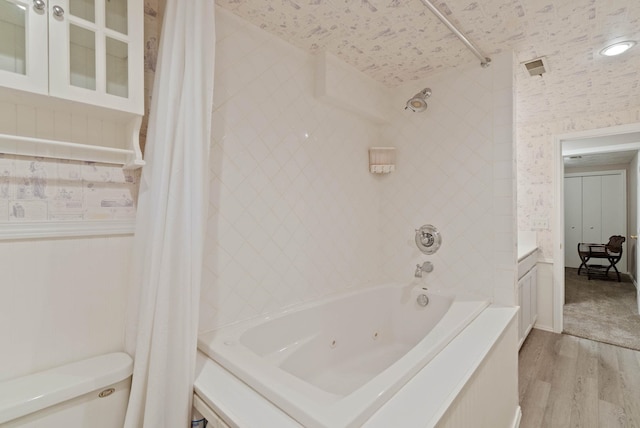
(611, 251)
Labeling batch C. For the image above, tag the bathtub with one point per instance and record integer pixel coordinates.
(333, 363)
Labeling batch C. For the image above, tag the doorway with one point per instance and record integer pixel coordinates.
(595, 202)
(600, 301)
(600, 142)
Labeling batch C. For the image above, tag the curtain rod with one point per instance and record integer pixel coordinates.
(484, 60)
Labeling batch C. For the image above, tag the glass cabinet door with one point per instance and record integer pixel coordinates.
(96, 57)
(117, 48)
(23, 45)
(82, 44)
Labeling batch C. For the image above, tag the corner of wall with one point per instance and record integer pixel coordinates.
(504, 183)
(343, 86)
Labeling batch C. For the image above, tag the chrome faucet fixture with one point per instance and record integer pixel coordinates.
(424, 267)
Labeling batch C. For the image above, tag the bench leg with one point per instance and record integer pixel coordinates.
(583, 264)
(617, 272)
(612, 264)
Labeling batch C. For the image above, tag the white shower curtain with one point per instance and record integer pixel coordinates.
(172, 210)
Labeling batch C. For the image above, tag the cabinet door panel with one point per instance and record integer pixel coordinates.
(526, 303)
(82, 57)
(23, 46)
(520, 318)
(116, 16)
(13, 49)
(98, 56)
(84, 9)
(592, 209)
(572, 220)
(524, 298)
(534, 294)
(117, 68)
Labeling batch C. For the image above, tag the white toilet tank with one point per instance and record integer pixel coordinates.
(89, 393)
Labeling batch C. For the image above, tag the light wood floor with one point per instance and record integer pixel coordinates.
(566, 381)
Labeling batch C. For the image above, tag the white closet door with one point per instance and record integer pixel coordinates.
(613, 212)
(572, 220)
(592, 209)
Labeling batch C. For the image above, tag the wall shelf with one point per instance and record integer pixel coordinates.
(29, 146)
(382, 160)
(41, 147)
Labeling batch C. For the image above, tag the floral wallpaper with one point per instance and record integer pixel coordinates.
(152, 26)
(42, 189)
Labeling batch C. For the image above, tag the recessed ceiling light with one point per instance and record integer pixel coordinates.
(617, 48)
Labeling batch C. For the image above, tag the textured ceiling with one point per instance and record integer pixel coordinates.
(396, 41)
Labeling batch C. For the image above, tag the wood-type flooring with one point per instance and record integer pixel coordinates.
(567, 381)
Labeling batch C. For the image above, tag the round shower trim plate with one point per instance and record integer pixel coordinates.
(428, 239)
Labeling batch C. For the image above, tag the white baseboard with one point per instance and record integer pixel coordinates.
(517, 418)
(544, 328)
(635, 284)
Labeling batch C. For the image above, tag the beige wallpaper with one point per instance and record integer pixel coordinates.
(152, 24)
(536, 169)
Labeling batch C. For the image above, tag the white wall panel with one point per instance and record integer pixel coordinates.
(61, 300)
(490, 397)
(455, 170)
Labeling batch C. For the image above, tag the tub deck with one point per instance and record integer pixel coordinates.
(328, 368)
(423, 401)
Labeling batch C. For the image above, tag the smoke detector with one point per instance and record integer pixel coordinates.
(536, 67)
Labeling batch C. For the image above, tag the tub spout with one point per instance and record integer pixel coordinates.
(424, 267)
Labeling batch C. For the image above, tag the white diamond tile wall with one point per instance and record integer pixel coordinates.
(294, 213)
(294, 210)
(346, 87)
(455, 170)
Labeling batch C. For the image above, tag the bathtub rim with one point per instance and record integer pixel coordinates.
(229, 397)
(246, 323)
(308, 404)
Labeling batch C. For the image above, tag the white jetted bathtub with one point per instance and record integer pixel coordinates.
(333, 363)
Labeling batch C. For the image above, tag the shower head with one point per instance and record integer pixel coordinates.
(419, 101)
